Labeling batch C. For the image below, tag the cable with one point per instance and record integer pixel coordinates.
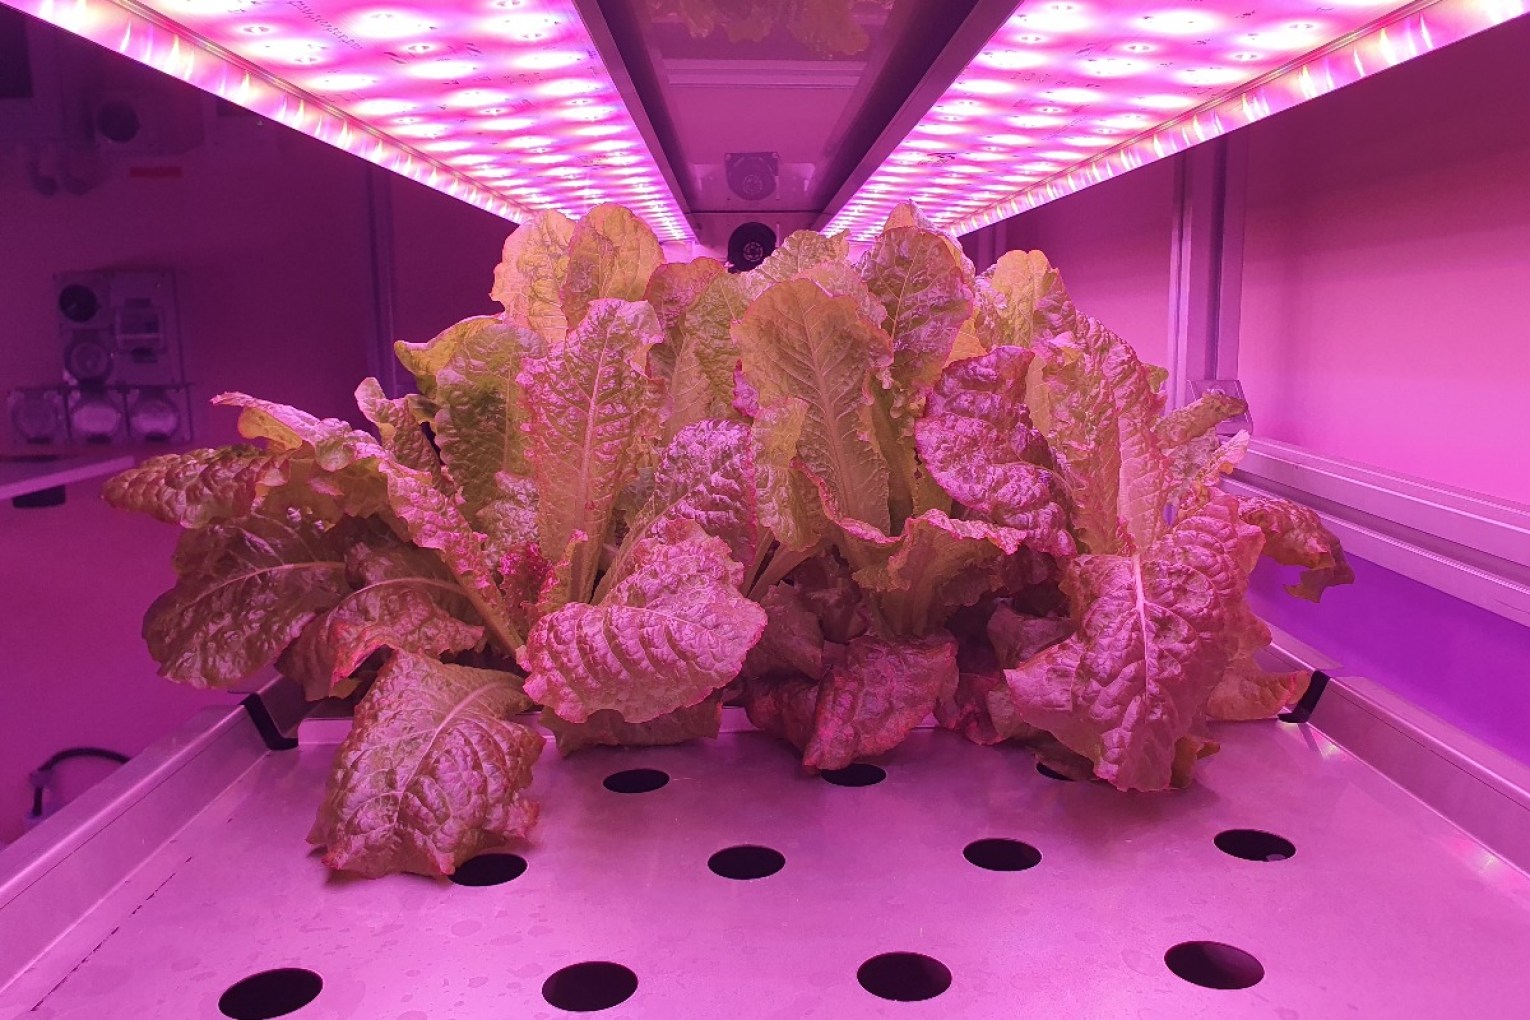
(41, 776)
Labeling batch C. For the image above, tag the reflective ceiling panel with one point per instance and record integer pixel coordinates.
(767, 105)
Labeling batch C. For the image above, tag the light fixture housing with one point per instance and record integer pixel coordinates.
(505, 104)
(1069, 93)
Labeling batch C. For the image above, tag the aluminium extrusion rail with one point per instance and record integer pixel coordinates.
(191, 874)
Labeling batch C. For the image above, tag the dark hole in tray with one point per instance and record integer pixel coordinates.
(1255, 845)
(746, 862)
(636, 780)
(904, 977)
(1214, 965)
(490, 869)
(589, 987)
(998, 854)
(270, 993)
(858, 774)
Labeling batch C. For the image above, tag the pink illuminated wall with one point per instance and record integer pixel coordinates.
(1385, 319)
(1111, 243)
(268, 233)
(1386, 305)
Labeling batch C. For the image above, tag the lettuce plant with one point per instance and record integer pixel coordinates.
(844, 495)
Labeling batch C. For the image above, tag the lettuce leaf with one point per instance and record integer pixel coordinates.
(592, 413)
(468, 373)
(611, 254)
(917, 277)
(529, 277)
(798, 343)
(705, 355)
(1294, 535)
(199, 487)
(1130, 687)
(606, 728)
(978, 442)
(244, 591)
(792, 641)
(1095, 403)
(706, 475)
(669, 633)
(786, 498)
(433, 772)
(400, 426)
(877, 695)
(675, 287)
(354, 476)
(401, 598)
(1020, 299)
(870, 702)
(1247, 690)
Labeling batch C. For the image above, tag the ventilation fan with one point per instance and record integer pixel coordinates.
(750, 244)
(752, 175)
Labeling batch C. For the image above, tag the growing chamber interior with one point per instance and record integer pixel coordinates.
(1259, 197)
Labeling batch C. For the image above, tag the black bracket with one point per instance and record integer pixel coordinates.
(1303, 709)
(260, 715)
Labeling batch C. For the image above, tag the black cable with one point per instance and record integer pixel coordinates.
(43, 773)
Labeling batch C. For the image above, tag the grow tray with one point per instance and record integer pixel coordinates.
(1296, 879)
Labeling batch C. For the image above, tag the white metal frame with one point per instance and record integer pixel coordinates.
(1469, 545)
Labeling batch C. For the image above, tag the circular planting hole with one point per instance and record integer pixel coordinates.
(1214, 965)
(636, 781)
(1255, 845)
(589, 987)
(490, 869)
(858, 774)
(1002, 854)
(904, 977)
(1051, 773)
(746, 862)
(270, 993)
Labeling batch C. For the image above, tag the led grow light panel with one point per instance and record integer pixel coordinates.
(1069, 93)
(502, 103)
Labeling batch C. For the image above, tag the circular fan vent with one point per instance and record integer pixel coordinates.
(752, 175)
(750, 244)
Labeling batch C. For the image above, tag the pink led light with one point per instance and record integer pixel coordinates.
(1062, 81)
(479, 99)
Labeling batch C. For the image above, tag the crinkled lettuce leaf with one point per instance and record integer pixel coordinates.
(611, 254)
(673, 630)
(1294, 535)
(244, 591)
(1128, 690)
(529, 278)
(468, 373)
(799, 343)
(400, 598)
(199, 487)
(870, 702)
(606, 728)
(977, 440)
(706, 475)
(592, 419)
(434, 771)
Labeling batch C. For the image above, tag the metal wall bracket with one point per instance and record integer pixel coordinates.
(1206, 264)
